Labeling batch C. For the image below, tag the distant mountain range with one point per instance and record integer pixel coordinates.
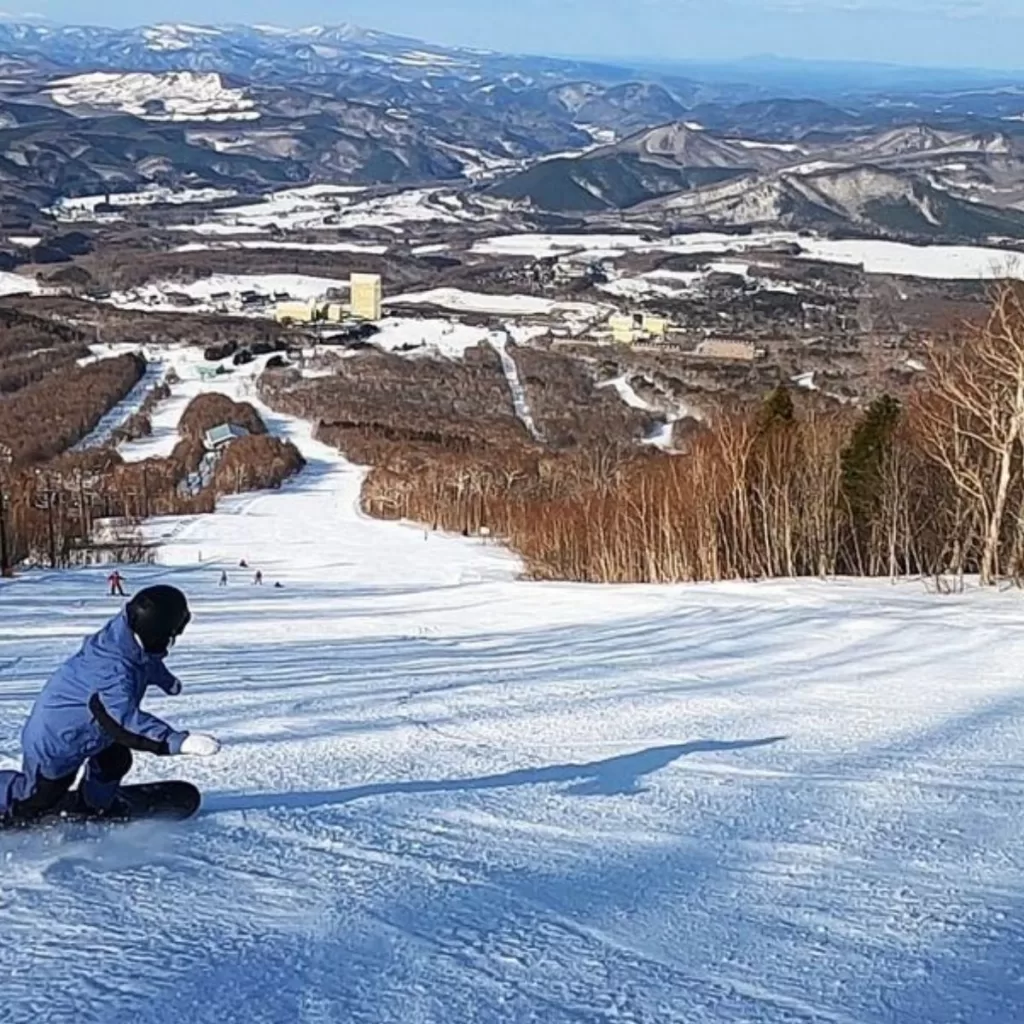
(912, 181)
(93, 110)
(87, 109)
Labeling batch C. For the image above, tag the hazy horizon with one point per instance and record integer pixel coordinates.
(971, 35)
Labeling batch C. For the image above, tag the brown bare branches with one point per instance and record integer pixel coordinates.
(971, 416)
(50, 415)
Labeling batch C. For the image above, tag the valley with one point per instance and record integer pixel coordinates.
(849, 317)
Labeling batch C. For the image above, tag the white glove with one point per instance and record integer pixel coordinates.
(197, 744)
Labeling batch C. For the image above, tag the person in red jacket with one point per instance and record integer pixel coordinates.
(115, 579)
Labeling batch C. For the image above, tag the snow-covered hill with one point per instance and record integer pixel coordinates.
(255, 108)
(686, 146)
(911, 181)
(174, 96)
(450, 796)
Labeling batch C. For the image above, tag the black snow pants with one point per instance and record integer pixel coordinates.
(103, 774)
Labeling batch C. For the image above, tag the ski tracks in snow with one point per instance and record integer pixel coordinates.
(492, 802)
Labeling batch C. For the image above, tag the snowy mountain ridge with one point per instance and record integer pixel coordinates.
(910, 181)
(258, 107)
(240, 50)
(324, 103)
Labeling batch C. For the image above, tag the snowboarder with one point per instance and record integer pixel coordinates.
(88, 714)
(115, 579)
(223, 578)
(243, 564)
(257, 580)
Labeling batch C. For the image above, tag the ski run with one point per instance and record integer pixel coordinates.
(449, 795)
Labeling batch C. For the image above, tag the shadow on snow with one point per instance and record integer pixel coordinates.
(613, 776)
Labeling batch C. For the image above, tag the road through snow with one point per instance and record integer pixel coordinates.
(450, 796)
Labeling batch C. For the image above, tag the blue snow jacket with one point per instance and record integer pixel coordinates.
(92, 701)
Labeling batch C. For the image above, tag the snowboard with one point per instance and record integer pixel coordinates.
(147, 801)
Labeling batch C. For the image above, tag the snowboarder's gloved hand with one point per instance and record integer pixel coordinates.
(174, 689)
(196, 744)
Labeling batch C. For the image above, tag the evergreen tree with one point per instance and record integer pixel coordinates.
(863, 459)
(777, 409)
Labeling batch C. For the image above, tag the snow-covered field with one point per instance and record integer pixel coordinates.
(949, 262)
(223, 292)
(18, 284)
(670, 283)
(448, 796)
(84, 207)
(462, 301)
(331, 207)
(647, 286)
(367, 248)
(170, 96)
(429, 334)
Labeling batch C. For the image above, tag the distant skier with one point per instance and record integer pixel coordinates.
(116, 581)
(88, 714)
(223, 578)
(243, 564)
(257, 580)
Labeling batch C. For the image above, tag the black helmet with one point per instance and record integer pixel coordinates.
(158, 616)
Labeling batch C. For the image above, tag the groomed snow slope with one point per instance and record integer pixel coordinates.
(447, 796)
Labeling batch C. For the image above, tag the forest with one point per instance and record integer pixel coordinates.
(55, 498)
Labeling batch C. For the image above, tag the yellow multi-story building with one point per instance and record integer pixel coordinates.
(295, 312)
(655, 326)
(365, 305)
(628, 328)
(623, 328)
(366, 297)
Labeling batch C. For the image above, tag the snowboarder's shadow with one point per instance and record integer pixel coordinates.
(613, 776)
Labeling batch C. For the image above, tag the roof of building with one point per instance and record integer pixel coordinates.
(223, 434)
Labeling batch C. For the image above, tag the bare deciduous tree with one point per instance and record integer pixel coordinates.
(972, 415)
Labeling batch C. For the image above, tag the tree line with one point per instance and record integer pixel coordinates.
(931, 484)
(52, 506)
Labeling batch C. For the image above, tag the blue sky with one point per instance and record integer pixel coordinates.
(950, 33)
